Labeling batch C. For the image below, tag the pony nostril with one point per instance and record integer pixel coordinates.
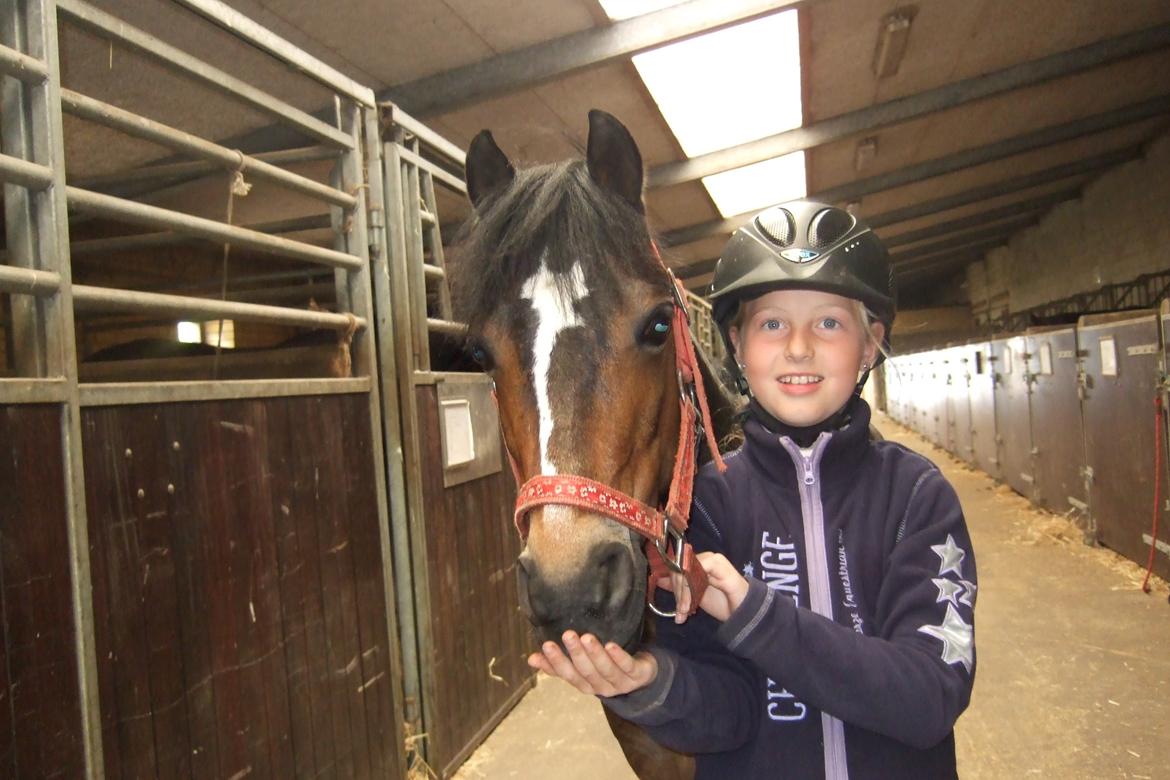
(615, 578)
(533, 600)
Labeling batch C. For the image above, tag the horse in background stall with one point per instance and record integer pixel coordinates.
(571, 312)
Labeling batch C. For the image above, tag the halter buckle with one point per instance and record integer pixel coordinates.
(673, 561)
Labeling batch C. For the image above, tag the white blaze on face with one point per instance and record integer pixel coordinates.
(554, 313)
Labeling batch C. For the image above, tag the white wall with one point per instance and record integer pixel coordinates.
(1118, 230)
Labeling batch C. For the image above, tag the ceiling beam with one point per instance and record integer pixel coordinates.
(913, 106)
(1089, 165)
(962, 240)
(1029, 206)
(950, 163)
(969, 252)
(541, 62)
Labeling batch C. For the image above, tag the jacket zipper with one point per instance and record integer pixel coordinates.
(812, 513)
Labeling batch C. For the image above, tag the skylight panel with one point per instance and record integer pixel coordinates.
(754, 187)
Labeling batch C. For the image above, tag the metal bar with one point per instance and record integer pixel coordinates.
(119, 393)
(168, 238)
(21, 66)
(1011, 210)
(243, 27)
(24, 173)
(90, 298)
(28, 281)
(153, 216)
(895, 111)
(51, 213)
(399, 362)
(449, 179)
(446, 326)
(386, 431)
(949, 164)
(415, 261)
(164, 135)
(196, 167)
(542, 62)
(99, 21)
(32, 391)
(434, 272)
(1083, 167)
(395, 115)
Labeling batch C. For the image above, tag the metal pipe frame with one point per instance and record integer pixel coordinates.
(446, 326)
(140, 127)
(88, 298)
(19, 65)
(91, 18)
(394, 114)
(196, 168)
(29, 281)
(153, 216)
(450, 180)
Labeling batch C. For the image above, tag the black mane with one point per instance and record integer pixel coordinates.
(554, 207)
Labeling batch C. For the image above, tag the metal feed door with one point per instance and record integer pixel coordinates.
(1121, 363)
(1013, 413)
(1057, 432)
(984, 445)
(959, 403)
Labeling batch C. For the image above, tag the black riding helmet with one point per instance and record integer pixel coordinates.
(803, 244)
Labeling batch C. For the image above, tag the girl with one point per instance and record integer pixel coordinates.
(837, 639)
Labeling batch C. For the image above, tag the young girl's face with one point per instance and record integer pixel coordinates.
(802, 352)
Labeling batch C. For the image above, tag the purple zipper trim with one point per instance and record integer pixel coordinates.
(812, 512)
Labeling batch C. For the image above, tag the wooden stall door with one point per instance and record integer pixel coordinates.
(474, 670)
(40, 711)
(237, 589)
(984, 441)
(1013, 414)
(1057, 431)
(1121, 368)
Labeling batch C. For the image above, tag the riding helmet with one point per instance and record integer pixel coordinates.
(803, 244)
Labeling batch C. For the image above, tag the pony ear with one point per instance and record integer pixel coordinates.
(487, 168)
(613, 158)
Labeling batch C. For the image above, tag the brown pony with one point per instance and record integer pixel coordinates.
(570, 311)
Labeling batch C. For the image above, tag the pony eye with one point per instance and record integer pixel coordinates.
(480, 355)
(657, 327)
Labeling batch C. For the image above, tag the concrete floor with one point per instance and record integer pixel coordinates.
(1074, 662)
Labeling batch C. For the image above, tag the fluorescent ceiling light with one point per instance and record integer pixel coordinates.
(189, 332)
(624, 9)
(730, 87)
(755, 187)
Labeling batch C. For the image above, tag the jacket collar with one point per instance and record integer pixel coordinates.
(842, 455)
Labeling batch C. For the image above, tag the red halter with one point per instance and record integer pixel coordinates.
(665, 530)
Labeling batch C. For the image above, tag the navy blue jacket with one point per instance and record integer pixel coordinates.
(853, 653)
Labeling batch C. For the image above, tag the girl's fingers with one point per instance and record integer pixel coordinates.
(582, 655)
(563, 667)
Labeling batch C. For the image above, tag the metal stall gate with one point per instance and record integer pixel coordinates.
(984, 436)
(1057, 430)
(1122, 353)
(959, 403)
(1013, 415)
(195, 574)
(464, 636)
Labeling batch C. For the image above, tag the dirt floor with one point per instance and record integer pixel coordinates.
(1073, 678)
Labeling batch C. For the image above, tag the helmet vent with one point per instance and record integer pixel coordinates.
(777, 224)
(827, 226)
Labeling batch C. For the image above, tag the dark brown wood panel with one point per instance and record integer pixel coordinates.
(1013, 413)
(40, 715)
(239, 608)
(474, 668)
(1057, 432)
(1122, 488)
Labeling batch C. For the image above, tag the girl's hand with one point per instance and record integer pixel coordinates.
(727, 588)
(594, 668)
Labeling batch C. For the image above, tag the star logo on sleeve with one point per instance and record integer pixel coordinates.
(957, 637)
(749, 571)
(951, 555)
(968, 596)
(948, 590)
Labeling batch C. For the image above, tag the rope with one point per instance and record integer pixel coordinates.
(236, 186)
(1157, 488)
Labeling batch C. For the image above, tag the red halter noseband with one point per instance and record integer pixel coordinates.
(665, 530)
